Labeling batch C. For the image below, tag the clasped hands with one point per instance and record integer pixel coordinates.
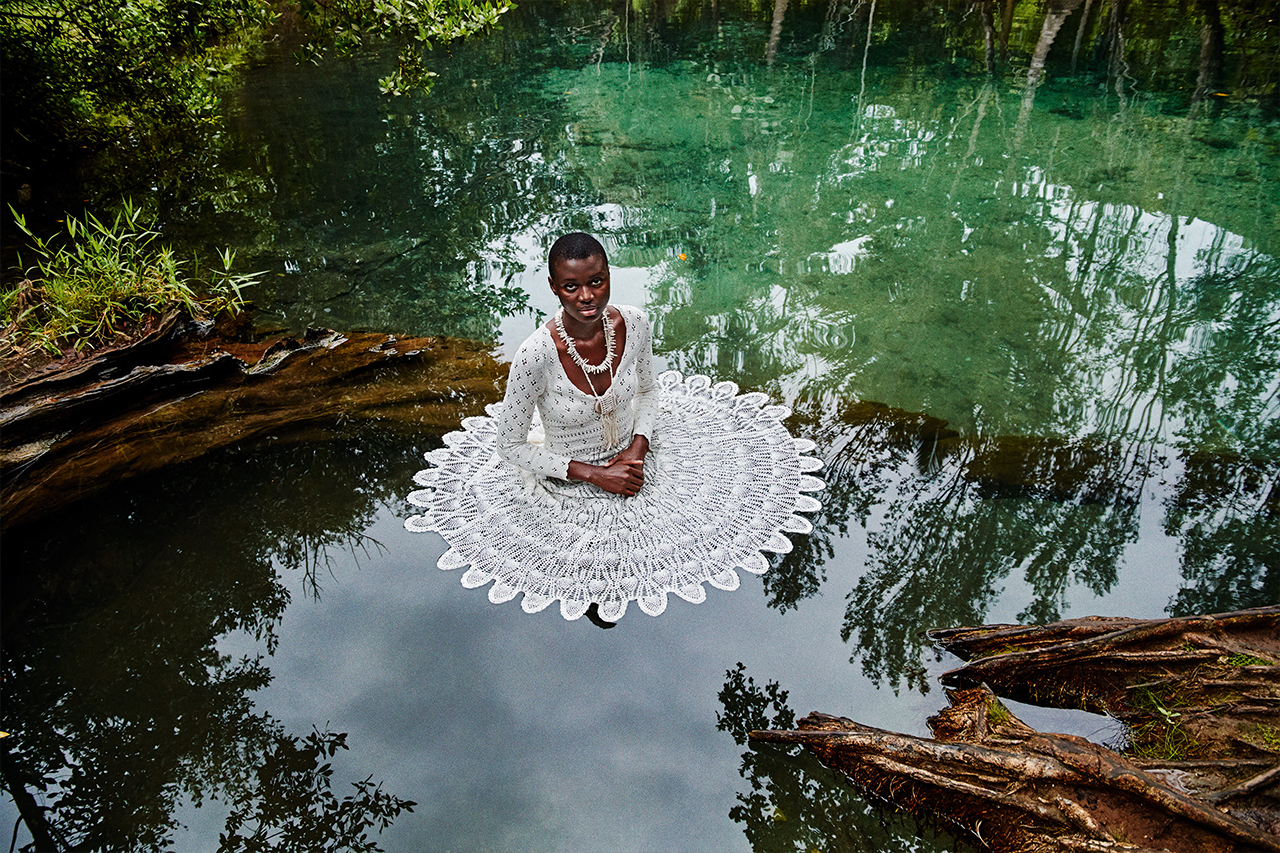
(621, 475)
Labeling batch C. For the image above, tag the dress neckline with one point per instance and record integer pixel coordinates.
(622, 355)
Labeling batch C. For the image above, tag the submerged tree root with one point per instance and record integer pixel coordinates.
(1015, 789)
(1188, 687)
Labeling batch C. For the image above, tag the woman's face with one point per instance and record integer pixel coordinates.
(582, 286)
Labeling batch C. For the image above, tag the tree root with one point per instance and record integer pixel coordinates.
(1205, 678)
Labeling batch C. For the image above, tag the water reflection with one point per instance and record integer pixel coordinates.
(949, 520)
(120, 703)
(1064, 258)
(794, 802)
(902, 228)
(163, 714)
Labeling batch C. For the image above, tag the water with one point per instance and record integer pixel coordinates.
(1077, 274)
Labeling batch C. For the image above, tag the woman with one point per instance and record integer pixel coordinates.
(595, 484)
(589, 374)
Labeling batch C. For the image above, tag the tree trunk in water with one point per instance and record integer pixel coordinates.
(70, 432)
(1210, 682)
(1211, 44)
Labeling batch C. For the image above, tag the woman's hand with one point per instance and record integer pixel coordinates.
(635, 451)
(621, 475)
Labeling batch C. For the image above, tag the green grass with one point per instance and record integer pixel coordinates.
(1160, 740)
(1162, 737)
(1241, 659)
(105, 283)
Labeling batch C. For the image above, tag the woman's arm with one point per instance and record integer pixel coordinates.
(624, 474)
(526, 383)
(646, 386)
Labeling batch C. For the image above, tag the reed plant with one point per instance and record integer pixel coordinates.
(104, 282)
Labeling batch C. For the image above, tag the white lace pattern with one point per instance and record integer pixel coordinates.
(724, 480)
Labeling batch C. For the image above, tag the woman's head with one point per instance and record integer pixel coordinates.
(579, 277)
(575, 247)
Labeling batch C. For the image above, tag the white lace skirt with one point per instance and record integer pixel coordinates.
(724, 480)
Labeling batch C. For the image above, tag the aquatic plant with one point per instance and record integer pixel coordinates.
(107, 282)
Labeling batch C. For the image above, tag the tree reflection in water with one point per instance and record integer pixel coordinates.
(118, 699)
(948, 519)
(794, 802)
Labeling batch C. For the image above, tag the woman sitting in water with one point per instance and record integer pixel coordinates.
(589, 374)
(595, 484)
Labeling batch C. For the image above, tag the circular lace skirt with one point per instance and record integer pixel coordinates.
(724, 480)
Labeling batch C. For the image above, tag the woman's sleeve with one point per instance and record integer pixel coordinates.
(646, 387)
(526, 383)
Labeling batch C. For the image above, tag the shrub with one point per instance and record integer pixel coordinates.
(106, 283)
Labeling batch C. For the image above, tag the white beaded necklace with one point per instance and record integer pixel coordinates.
(607, 403)
(607, 364)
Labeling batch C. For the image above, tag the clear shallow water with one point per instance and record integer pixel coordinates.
(1080, 279)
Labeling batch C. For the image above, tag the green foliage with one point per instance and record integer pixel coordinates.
(86, 76)
(1243, 659)
(421, 23)
(100, 72)
(107, 282)
(997, 713)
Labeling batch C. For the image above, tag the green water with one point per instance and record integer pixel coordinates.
(1077, 273)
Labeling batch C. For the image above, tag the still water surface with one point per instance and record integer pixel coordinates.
(1074, 266)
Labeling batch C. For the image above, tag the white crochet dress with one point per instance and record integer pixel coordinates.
(723, 481)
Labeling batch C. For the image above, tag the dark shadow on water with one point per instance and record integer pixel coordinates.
(119, 703)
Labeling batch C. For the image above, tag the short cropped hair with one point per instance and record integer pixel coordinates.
(574, 247)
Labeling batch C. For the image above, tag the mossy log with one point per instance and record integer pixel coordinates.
(1015, 789)
(1188, 687)
(76, 427)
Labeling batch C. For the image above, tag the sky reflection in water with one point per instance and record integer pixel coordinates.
(1081, 284)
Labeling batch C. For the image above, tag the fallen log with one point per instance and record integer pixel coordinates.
(69, 431)
(1188, 687)
(1015, 789)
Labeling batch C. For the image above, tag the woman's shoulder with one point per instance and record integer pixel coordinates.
(633, 315)
(538, 348)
